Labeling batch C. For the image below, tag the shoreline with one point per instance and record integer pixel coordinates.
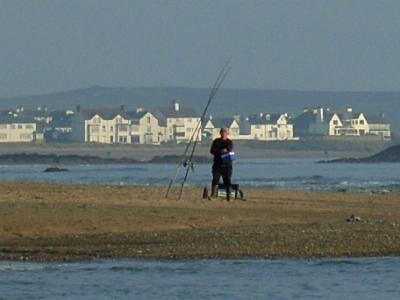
(57, 222)
(148, 152)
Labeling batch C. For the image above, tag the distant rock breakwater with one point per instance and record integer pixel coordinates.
(391, 154)
(53, 159)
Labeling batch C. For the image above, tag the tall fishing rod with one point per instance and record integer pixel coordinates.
(187, 161)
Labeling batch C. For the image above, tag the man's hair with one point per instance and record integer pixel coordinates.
(223, 129)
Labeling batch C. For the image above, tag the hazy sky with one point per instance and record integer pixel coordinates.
(308, 45)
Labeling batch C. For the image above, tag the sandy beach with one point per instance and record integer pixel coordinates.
(51, 222)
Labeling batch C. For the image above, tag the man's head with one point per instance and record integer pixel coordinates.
(224, 132)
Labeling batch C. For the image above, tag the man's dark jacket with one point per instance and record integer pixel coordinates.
(216, 149)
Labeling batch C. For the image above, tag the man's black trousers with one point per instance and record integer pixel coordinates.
(224, 170)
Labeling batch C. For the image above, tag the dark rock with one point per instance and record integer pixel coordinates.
(52, 159)
(391, 154)
(55, 169)
(172, 158)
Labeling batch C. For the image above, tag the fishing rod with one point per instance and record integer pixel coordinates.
(187, 160)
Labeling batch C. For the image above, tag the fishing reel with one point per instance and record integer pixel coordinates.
(189, 164)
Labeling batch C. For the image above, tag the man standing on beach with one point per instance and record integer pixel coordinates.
(219, 147)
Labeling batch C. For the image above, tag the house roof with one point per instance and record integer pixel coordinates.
(105, 113)
(265, 119)
(60, 119)
(222, 122)
(183, 112)
(63, 122)
(135, 116)
(10, 119)
(303, 120)
(377, 119)
(34, 113)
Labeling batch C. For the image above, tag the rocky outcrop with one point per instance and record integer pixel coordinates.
(391, 154)
(179, 158)
(52, 159)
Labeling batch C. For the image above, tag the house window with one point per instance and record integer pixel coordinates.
(123, 128)
(335, 122)
(148, 120)
(29, 126)
(122, 139)
(3, 136)
(25, 136)
(112, 128)
(13, 126)
(3, 126)
(104, 128)
(94, 129)
(20, 126)
(111, 139)
(362, 122)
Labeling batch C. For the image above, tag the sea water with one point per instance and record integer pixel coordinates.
(285, 174)
(349, 278)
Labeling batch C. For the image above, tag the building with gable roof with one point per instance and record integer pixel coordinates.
(145, 128)
(18, 129)
(214, 125)
(239, 127)
(180, 123)
(270, 127)
(379, 126)
(323, 121)
(105, 125)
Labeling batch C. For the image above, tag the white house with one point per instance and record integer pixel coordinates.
(380, 126)
(348, 123)
(180, 123)
(14, 129)
(271, 127)
(213, 127)
(107, 126)
(145, 128)
(239, 128)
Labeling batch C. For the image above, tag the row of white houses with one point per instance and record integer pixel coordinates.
(325, 122)
(172, 124)
(176, 124)
(109, 126)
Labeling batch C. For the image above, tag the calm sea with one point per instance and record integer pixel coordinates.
(287, 174)
(361, 278)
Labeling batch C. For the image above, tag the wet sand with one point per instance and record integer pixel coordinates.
(51, 222)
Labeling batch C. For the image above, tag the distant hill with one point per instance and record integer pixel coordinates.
(228, 101)
(391, 154)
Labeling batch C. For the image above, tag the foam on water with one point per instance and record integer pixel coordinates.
(288, 174)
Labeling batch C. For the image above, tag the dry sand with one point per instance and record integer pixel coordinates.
(49, 222)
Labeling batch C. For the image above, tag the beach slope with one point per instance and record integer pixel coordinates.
(52, 222)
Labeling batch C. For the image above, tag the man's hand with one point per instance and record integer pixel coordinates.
(224, 151)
